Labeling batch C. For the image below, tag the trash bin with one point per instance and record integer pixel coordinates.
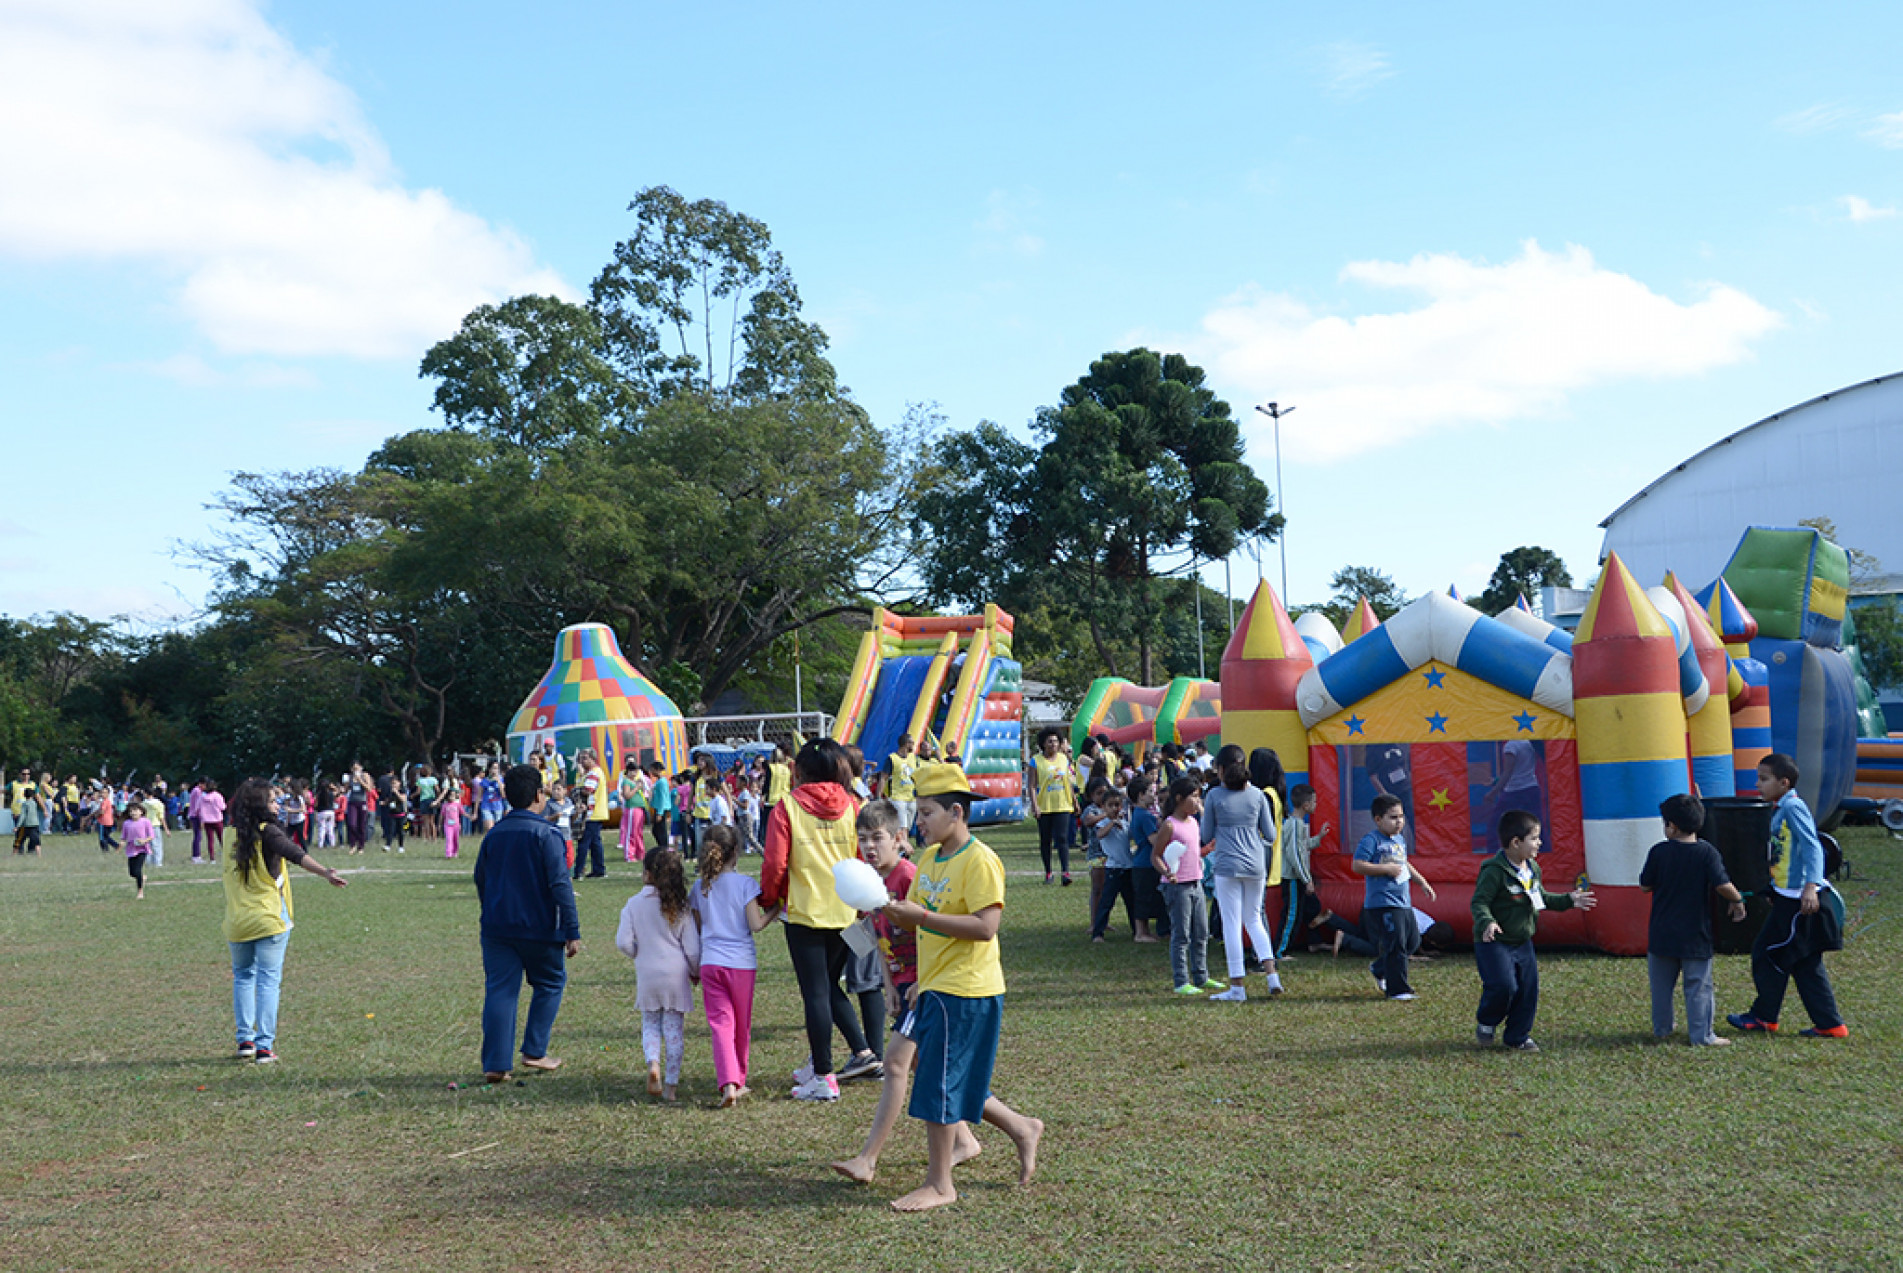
(1739, 827)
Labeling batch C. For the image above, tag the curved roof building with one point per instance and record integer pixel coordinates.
(1836, 456)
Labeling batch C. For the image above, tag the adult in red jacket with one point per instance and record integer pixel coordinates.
(807, 833)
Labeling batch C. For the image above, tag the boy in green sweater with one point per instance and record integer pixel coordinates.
(1506, 905)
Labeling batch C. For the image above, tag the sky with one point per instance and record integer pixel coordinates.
(1508, 263)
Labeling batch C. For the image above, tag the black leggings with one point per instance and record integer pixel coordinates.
(135, 867)
(1054, 829)
(872, 1012)
(819, 961)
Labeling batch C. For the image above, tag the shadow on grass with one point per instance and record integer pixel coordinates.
(734, 1184)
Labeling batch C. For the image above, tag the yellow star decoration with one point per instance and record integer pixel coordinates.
(1440, 799)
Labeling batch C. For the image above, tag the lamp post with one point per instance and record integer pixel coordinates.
(1275, 413)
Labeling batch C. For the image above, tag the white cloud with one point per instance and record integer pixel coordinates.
(1491, 343)
(1005, 226)
(195, 373)
(1350, 69)
(1858, 209)
(192, 136)
(1815, 119)
(1887, 131)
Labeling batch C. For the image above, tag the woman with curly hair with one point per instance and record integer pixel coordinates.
(258, 913)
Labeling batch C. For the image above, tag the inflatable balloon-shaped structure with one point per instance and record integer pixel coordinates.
(591, 696)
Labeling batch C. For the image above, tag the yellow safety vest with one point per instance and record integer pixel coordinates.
(255, 904)
(812, 898)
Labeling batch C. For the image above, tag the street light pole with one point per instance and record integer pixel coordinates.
(1275, 413)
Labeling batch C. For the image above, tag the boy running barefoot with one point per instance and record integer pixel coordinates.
(956, 904)
(882, 827)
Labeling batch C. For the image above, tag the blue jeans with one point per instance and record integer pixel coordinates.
(1509, 988)
(505, 962)
(1189, 933)
(257, 972)
(1663, 972)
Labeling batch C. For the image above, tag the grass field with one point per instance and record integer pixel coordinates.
(1328, 1129)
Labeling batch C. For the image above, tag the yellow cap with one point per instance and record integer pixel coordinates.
(940, 780)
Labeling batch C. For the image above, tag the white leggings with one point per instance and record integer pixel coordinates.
(1241, 901)
(326, 837)
(659, 1027)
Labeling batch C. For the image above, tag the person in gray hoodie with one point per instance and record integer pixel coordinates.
(1241, 822)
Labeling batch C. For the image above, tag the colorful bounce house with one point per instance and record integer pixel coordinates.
(1463, 716)
(946, 677)
(1136, 717)
(593, 697)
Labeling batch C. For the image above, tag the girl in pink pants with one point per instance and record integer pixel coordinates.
(727, 903)
(633, 796)
(452, 810)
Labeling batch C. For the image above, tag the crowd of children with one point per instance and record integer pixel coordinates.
(1172, 839)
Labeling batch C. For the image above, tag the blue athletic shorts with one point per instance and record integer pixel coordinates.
(957, 1041)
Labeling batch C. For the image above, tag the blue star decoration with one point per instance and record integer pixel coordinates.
(1525, 721)
(1434, 676)
(1354, 724)
(1436, 724)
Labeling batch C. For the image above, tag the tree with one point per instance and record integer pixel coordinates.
(1351, 584)
(1140, 475)
(698, 301)
(1879, 628)
(1522, 573)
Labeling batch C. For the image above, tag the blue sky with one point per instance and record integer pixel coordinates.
(1509, 265)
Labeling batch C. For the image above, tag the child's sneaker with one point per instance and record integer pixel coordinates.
(1834, 1032)
(867, 1066)
(265, 1055)
(804, 1074)
(1187, 989)
(1483, 1035)
(1524, 1045)
(1750, 1024)
(1235, 994)
(247, 1050)
(820, 1087)
(1213, 984)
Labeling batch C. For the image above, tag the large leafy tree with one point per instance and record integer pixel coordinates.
(1139, 475)
(1522, 573)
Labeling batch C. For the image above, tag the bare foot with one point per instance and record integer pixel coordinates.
(967, 1147)
(925, 1198)
(654, 1080)
(667, 1094)
(858, 1169)
(1145, 938)
(544, 1063)
(1027, 1150)
(730, 1095)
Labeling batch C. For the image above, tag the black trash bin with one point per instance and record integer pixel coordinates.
(1739, 827)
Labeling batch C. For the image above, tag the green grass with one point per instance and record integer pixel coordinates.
(1327, 1129)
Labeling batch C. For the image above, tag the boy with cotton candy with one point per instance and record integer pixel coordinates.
(956, 905)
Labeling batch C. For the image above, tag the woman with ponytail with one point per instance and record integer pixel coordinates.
(258, 914)
(1242, 823)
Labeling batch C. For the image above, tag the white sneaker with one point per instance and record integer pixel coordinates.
(820, 1087)
(1235, 994)
(1402, 998)
(804, 1074)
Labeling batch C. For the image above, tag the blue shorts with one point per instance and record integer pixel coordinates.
(957, 1041)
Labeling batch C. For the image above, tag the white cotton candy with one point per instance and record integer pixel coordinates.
(859, 885)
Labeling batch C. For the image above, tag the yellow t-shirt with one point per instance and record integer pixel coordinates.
(704, 788)
(1054, 790)
(902, 769)
(964, 883)
(256, 905)
(812, 898)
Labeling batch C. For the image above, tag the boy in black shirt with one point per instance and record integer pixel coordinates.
(1681, 873)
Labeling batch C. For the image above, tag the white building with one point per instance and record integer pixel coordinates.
(1839, 456)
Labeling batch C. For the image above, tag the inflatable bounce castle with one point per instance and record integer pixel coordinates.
(593, 697)
(950, 678)
(1464, 716)
(1135, 717)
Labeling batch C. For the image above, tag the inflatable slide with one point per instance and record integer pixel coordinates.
(949, 678)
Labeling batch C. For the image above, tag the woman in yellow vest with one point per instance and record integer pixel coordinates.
(1055, 791)
(807, 834)
(258, 914)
